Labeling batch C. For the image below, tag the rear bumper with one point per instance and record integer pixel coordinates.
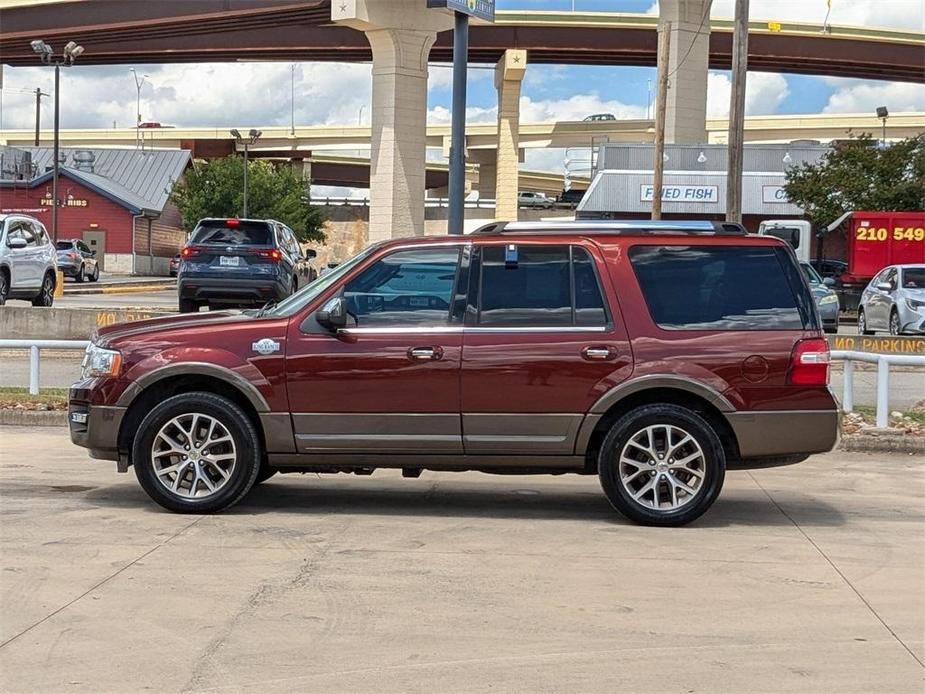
(96, 427)
(231, 290)
(68, 269)
(781, 433)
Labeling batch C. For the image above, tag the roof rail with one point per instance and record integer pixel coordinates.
(617, 227)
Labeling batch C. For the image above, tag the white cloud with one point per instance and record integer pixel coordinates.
(575, 107)
(864, 96)
(764, 93)
(894, 14)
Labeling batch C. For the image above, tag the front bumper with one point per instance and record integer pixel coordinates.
(95, 427)
(911, 321)
(231, 290)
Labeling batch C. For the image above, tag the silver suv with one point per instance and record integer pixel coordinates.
(28, 266)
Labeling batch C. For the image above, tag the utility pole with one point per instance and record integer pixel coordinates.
(292, 99)
(38, 113)
(457, 184)
(139, 83)
(736, 135)
(661, 99)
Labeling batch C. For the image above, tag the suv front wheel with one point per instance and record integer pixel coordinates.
(662, 464)
(196, 453)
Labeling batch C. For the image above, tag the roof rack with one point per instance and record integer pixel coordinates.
(630, 227)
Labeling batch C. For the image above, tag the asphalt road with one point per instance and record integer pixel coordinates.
(800, 579)
(166, 300)
(907, 386)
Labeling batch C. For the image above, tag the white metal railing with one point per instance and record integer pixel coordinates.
(883, 362)
(35, 348)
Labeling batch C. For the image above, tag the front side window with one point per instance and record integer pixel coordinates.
(410, 287)
(538, 287)
(717, 287)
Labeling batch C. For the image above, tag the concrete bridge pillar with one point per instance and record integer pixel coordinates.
(509, 74)
(400, 33)
(487, 159)
(686, 107)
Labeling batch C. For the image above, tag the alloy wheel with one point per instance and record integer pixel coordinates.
(662, 467)
(48, 291)
(193, 455)
(4, 288)
(894, 323)
(862, 323)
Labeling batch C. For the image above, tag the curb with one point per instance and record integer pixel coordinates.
(883, 443)
(122, 289)
(33, 418)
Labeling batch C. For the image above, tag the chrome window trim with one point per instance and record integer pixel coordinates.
(417, 330)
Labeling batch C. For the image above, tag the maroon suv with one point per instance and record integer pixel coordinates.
(654, 355)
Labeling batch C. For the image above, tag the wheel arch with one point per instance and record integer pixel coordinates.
(669, 390)
(160, 385)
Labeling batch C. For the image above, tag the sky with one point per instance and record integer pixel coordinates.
(258, 94)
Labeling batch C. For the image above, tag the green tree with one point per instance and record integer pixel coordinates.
(860, 175)
(216, 189)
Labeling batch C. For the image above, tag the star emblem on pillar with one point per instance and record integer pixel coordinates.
(516, 58)
(343, 8)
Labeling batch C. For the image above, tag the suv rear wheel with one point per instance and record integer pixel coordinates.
(662, 465)
(188, 306)
(4, 286)
(196, 453)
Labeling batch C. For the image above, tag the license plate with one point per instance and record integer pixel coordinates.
(229, 260)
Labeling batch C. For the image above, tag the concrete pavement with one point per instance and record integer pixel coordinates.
(800, 579)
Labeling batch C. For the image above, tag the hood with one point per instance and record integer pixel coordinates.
(183, 321)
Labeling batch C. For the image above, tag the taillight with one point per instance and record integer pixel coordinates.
(72, 256)
(190, 251)
(809, 363)
(270, 253)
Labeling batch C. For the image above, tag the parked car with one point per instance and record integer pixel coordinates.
(27, 261)
(600, 116)
(894, 301)
(530, 199)
(75, 259)
(173, 267)
(825, 297)
(240, 262)
(520, 348)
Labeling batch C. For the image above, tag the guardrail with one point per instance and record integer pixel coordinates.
(883, 362)
(35, 348)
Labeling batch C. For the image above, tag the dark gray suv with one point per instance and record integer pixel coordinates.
(241, 262)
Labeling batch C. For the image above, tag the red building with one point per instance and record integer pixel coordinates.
(116, 200)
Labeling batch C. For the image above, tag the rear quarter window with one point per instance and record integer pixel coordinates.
(722, 288)
(242, 234)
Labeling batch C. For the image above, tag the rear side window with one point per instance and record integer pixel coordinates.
(718, 287)
(539, 286)
(235, 233)
(64, 245)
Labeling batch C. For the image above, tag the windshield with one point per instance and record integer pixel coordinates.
(310, 291)
(914, 278)
(63, 245)
(788, 234)
(811, 275)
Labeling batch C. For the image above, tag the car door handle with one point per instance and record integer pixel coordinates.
(425, 353)
(597, 353)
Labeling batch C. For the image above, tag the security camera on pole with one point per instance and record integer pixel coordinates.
(47, 55)
(462, 9)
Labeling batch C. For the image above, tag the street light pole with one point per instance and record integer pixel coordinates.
(46, 54)
(251, 138)
(245, 180)
(38, 113)
(138, 85)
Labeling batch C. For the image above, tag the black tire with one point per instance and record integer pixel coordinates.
(239, 426)
(96, 273)
(46, 295)
(895, 327)
(4, 286)
(81, 274)
(862, 324)
(712, 465)
(188, 306)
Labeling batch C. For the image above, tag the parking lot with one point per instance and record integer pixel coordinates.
(800, 579)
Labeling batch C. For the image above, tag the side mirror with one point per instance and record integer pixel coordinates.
(828, 281)
(311, 253)
(884, 286)
(333, 315)
(16, 243)
(92, 254)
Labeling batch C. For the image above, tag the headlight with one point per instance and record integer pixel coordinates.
(100, 362)
(828, 299)
(915, 304)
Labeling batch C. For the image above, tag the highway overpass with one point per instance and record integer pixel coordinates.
(115, 31)
(212, 141)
